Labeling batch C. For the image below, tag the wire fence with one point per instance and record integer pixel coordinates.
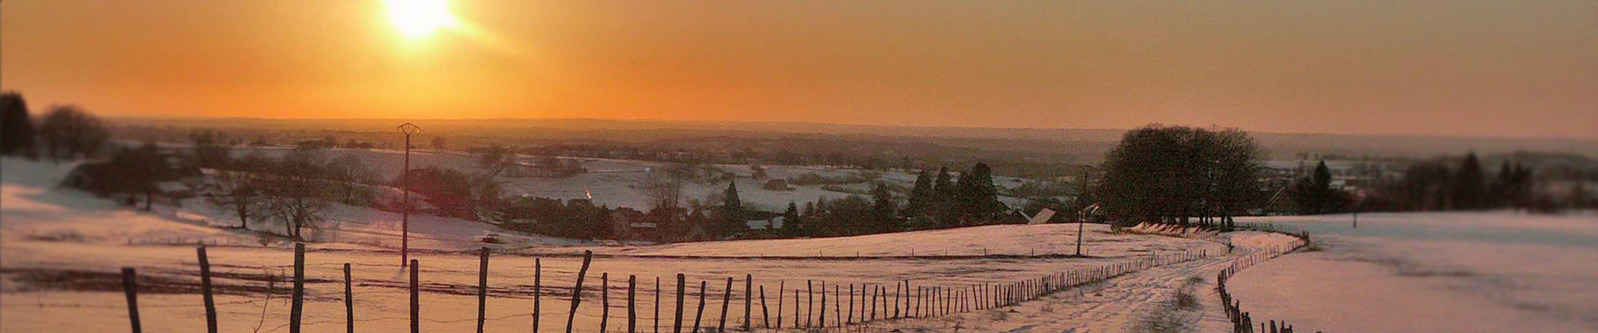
(853, 307)
(1243, 321)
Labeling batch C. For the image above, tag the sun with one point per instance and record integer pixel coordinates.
(419, 18)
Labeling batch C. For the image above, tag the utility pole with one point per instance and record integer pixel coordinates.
(1082, 215)
(405, 183)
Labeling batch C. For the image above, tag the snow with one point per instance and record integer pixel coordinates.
(61, 283)
(1504, 272)
(1013, 239)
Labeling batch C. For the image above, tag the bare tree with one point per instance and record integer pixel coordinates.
(664, 186)
(347, 174)
(297, 192)
(240, 188)
(71, 131)
(137, 171)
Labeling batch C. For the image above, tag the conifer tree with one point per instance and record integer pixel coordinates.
(941, 205)
(732, 211)
(975, 197)
(791, 225)
(883, 210)
(920, 195)
(16, 127)
(1470, 189)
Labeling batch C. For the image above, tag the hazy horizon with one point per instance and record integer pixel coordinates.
(825, 123)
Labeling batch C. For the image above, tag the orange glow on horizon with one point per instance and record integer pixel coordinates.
(1481, 69)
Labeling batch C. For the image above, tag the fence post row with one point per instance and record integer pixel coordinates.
(906, 302)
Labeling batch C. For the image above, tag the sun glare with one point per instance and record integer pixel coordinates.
(419, 18)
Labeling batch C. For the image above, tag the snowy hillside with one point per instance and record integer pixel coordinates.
(60, 250)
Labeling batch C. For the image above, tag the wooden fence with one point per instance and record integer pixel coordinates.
(854, 305)
(1242, 321)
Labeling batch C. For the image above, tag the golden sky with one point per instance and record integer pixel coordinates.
(1455, 67)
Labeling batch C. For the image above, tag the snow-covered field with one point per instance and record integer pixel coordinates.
(1432, 272)
(60, 250)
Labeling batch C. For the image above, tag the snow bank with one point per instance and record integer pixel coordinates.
(1433, 272)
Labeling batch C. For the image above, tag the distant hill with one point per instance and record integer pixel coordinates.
(1084, 145)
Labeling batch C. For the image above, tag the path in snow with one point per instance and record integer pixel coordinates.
(1121, 304)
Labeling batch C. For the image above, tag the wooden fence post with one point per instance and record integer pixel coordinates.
(765, 316)
(749, 294)
(885, 314)
(130, 287)
(726, 301)
(850, 319)
(780, 285)
(298, 306)
(896, 294)
(482, 289)
(875, 293)
(632, 310)
(698, 314)
(416, 309)
(205, 286)
(822, 319)
(837, 311)
(657, 304)
(577, 291)
(538, 290)
(918, 300)
(907, 294)
(349, 302)
(810, 304)
(604, 301)
(796, 307)
(863, 306)
(682, 282)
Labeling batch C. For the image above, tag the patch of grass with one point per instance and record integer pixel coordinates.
(998, 315)
(1185, 301)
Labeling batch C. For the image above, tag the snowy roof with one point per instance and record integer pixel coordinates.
(169, 187)
(773, 223)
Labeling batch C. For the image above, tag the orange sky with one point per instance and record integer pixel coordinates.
(1500, 68)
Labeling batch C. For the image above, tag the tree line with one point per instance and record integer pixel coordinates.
(63, 132)
(1180, 174)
